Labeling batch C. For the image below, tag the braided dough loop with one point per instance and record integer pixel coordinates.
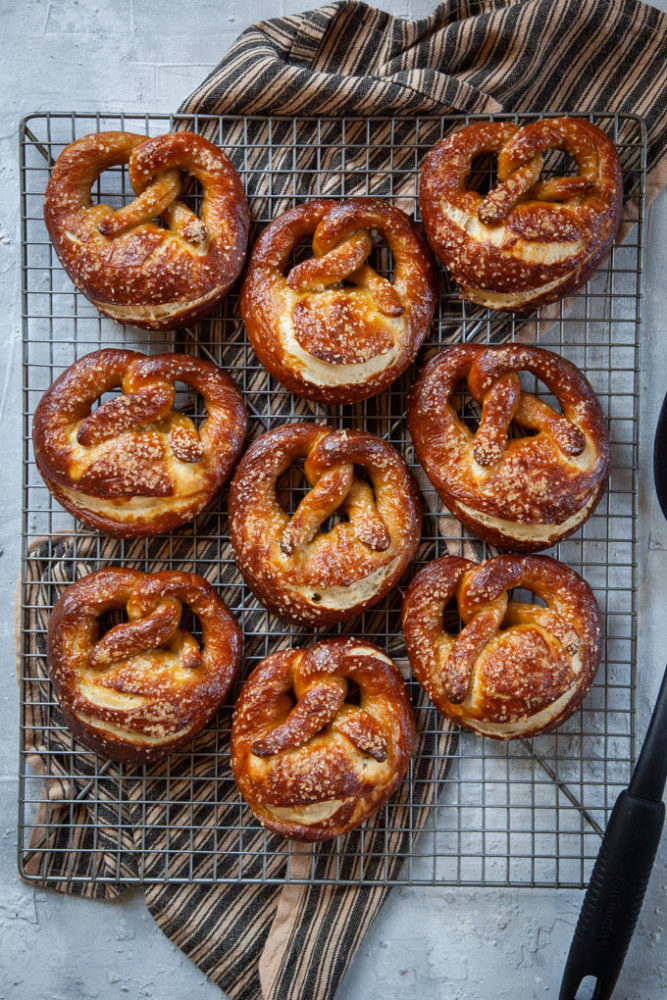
(524, 493)
(329, 341)
(528, 242)
(134, 466)
(310, 763)
(145, 687)
(156, 277)
(301, 573)
(515, 669)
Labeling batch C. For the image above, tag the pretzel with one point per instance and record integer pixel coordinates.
(515, 669)
(526, 493)
(331, 328)
(301, 573)
(135, 466)
(321, 737)
(528, 242)
(145, 687)
(132, 269)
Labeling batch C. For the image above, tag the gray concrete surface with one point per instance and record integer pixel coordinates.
(477, 945)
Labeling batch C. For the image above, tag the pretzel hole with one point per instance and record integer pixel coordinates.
(188, 402)
(192, 193)
(291, 488)
(381, 258)
(332, 521)
(467, 408)
(190, 623)
(107, 621)
(104, 398)
(558, 163)
(451, 618)
(300, 252)
(521, 595)
(483, 175)
(353, 694)
(112, 188)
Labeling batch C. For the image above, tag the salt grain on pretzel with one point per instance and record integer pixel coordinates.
(311, 759)
(301, 573)
(131, 268)
(134, 465)
(515, 669)
(528, 242)
(331, 328)
(525, 492)
(146, 686)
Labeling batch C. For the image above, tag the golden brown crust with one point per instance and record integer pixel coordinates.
(146, 687)
(524, 493)
(528, 242)
(325, 340)
(300, 573)
(515, 669)
(310, 761)
(129, 267)
(134, 466)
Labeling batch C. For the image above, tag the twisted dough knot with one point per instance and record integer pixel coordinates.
(300, 572)
(331, 328)
(131, 268)
(515, 669)
(145, 687)
(526, 492)
(528, 242)
(135, 466)
(321, 737)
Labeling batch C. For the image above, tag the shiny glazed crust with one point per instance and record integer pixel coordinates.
(299, 572)
(310, 764)
(514, 670)
(134, 466)
(326, 340)
(129, 267)
(145, 688)
(523, 493)
(528, 242)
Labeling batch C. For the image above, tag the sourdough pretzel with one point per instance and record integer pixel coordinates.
(135, 466)
(314, 577)
(523, 493)
(529, 241)
(311, 761)
(331, 328)
(145, 687)
(157, 277)
(515, 669)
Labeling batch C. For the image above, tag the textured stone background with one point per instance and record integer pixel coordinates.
(428, 943)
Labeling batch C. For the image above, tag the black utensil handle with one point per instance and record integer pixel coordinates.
(614, 896)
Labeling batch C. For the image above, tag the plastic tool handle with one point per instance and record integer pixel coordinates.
(614, 896)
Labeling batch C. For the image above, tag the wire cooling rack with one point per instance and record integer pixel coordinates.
(522, 813)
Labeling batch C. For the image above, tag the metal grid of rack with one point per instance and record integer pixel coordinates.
(522, 813)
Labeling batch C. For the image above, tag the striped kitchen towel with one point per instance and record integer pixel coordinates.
(295, 941)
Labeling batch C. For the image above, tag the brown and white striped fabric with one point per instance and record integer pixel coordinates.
(476, 56)
(285, 941)
(294, 942)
